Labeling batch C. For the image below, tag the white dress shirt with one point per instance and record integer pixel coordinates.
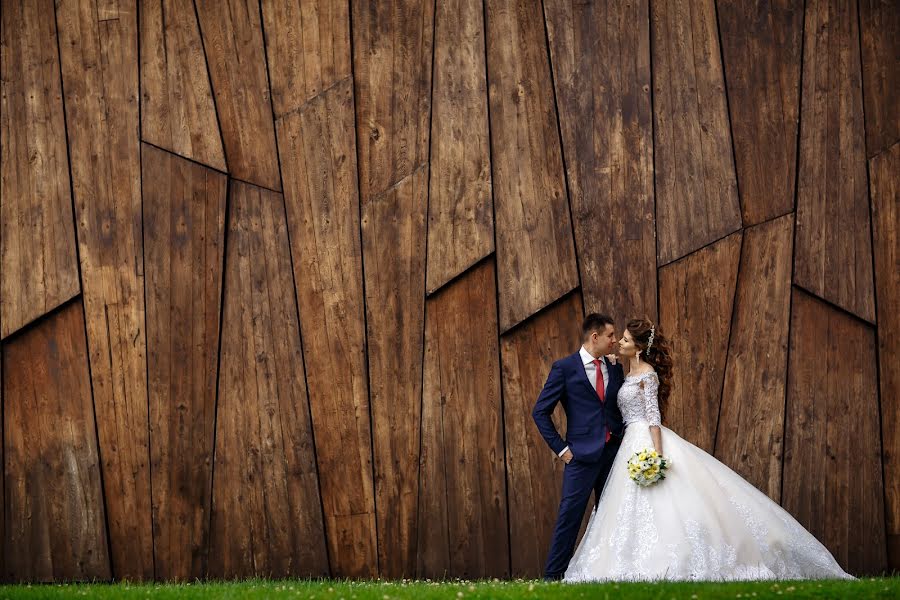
(591, 370)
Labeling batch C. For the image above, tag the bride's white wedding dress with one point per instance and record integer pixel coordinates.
(702, 522)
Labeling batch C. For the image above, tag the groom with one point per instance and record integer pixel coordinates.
(587, 384)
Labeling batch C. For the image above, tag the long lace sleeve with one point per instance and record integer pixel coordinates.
(650, 385)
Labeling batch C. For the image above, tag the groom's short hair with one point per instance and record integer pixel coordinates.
(595, 322)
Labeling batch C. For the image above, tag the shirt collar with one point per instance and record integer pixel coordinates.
(586, 357)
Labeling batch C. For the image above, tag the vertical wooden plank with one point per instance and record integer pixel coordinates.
(54, 521)
(885, 192)
(761, 53)
(535, 249)
(177, 109)
(535, 474)
(318, 144)
(308, 49)
(696, 299)
(267, 514)
(460, 207)
(833, 258)
(880, 28)
(832, 460)
(38, 269)
(601, 62)
(462, 393)
(184, 216)
(751, 422)
(233, 40)
(98, 44)
(696, 192)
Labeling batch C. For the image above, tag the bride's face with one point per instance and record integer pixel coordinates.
(627, 346)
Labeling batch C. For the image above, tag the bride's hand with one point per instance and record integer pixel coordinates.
(612, 358)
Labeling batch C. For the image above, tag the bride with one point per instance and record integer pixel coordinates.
(703, 521)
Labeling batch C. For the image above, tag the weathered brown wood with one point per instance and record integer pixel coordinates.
(460, 207)
(184, 216)
(54, 521)
(880, 28)
(833, 258)
(267, 515)
(535, 249)
(38, 263)
(233, 40)
(104, 149)
(832, 459)
(884, 172)
(696, 192)
(308, 49)
(696, 298)
(750, 432)
(461, 398)
(392, 56)
(534, 473)
(177, 109)
(605, 118)
(761, 52)
(318, 149)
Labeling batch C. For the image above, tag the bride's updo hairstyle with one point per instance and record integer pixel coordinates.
(655, 350)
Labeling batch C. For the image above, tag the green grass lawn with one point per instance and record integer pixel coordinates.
(377, 590)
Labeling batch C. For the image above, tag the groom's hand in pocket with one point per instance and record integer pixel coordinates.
(567, 456)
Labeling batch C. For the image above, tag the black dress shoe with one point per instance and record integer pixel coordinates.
(553, 577)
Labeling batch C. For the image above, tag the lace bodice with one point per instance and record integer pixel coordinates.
(638, 398)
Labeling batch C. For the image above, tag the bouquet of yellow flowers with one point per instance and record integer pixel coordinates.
(647, 467)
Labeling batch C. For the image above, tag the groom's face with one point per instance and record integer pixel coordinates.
(603, 342)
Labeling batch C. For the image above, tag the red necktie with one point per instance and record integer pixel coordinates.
(600, 391)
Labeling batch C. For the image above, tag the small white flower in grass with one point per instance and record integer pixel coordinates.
(459, 594)
(471, 588)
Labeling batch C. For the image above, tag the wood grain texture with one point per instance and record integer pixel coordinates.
(460, 206)
(534, 473)
(696, 299)
(267, 514)
(233, 40)
(885, 192)
(601, 62)
(761, 52)
(880, 29)
(696, 192)
(308, 49)
(535, 250)
(184, 222)
(318, 144)
(104, 149)
(832, 460)
(55, 525)
(461, 401)
(751, 421)
(833, 258)
(177, 108)
(38, 262)
(392, 56)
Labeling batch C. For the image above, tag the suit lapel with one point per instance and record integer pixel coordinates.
(580, 369)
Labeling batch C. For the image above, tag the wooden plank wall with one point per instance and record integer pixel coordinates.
(280, 281)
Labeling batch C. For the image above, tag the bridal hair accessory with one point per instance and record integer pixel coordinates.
(652, 332)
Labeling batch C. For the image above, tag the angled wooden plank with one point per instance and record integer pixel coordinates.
(55, 525)
(832, 458)
(535, 249)
(761, 53)
(267, 514)
(605, 118)
(880, 28)
(751, 421)
(392, 55)
(104, 142)
(460, 207)
(318, 145)
(308, 49)
(696, 193)
(534, 473)
(885, 192)
(462, 396)
(38, 262)
(833, 257)
(184, 223)
(177, 109)
(696, 299)
(233, 40)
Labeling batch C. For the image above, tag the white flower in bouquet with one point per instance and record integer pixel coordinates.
(647, 466)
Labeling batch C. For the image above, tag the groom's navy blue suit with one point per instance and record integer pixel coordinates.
(587, 421)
